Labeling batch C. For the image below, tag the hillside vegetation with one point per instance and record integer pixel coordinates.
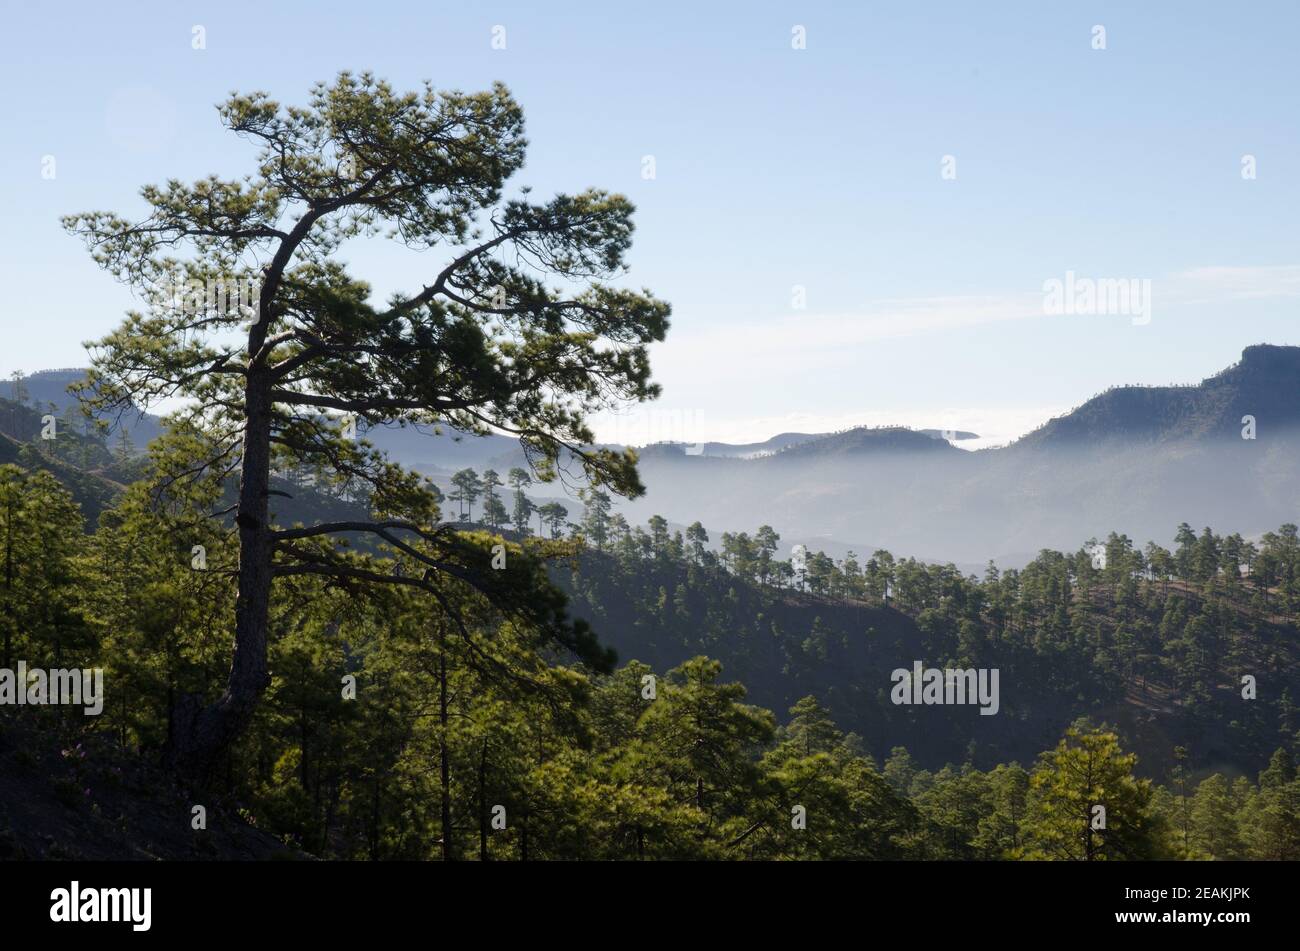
(389, 733)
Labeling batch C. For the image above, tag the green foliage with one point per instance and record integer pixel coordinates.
(399, 727)
(1085, 804)
(281, 358)
(1072, 639)
(41, 619)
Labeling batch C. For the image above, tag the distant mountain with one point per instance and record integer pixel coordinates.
(1135, 459)
(860, 437)
(81, 463)
(890, 439)
(1263, 385)
(49, 388)
(419, 448)
(446, 451)
(96, 477)
(1138, 460)
(744, 450)
(43, 388)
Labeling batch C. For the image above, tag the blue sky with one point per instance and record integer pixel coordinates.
(774, 168)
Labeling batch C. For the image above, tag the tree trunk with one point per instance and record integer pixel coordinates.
(204, 734)
(482, 804)
(444, 759)
(374, 820)
(331, 809)
(9, 587)
(302, 743)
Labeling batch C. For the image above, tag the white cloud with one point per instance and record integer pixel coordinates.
(799, 334)
(1204, 284)
(995, 425)
(730, 361)
(785, 338)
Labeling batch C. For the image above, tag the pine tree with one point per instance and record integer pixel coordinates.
(523, 508)
(1088, 770)
(484, 345)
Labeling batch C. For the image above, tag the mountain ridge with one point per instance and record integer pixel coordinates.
(1212, 408)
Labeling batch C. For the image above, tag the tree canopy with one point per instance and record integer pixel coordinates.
(520, 329)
